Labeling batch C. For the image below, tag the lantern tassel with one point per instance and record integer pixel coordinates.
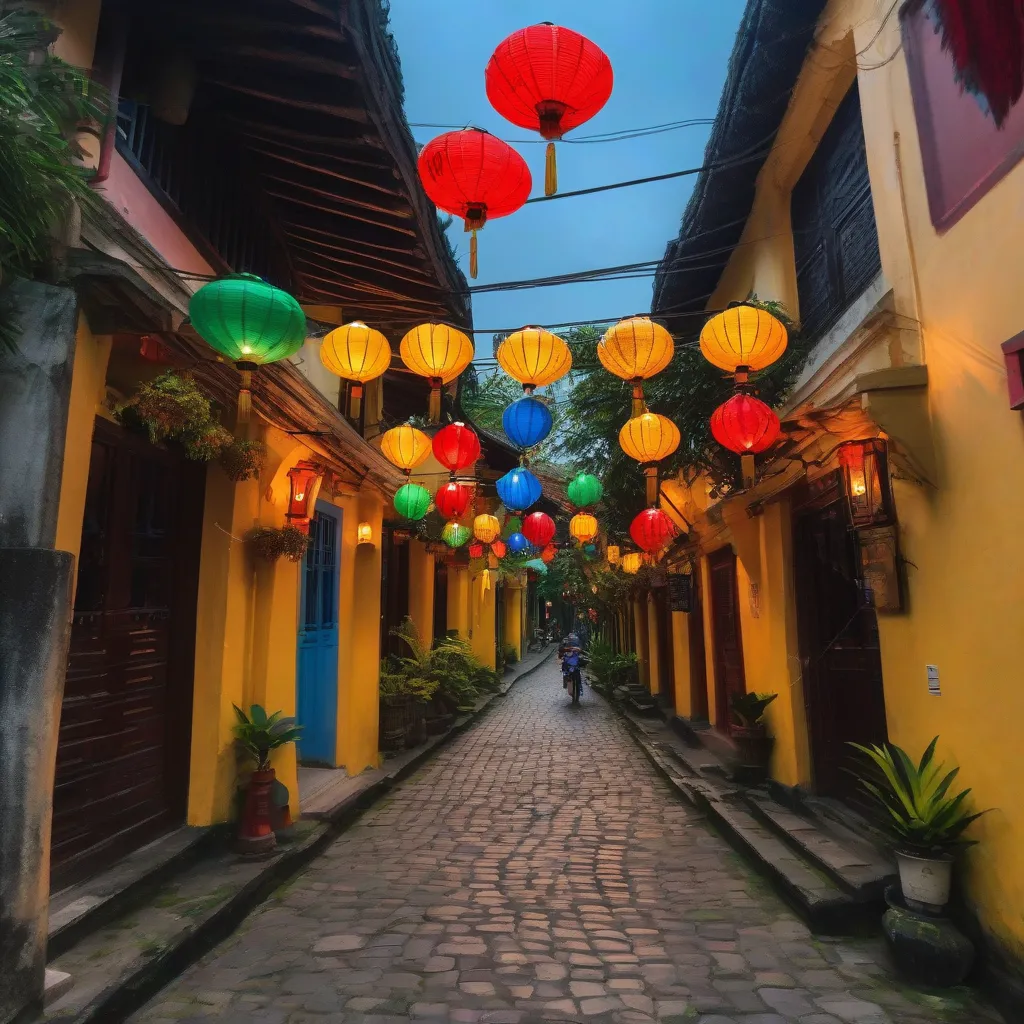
(355, 403)
(472, 254)
(747, 470)
(550, 171)
(245, 398)
(639, 405)
(651, 472)
(434, 410)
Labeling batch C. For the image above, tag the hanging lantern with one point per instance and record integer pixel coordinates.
(455, 534)
(534, 357)
(356, 353)
(412, 501)
(249, 322)
(518, 489)
(590, 550)
(549, 553)
(649, 438)
(303, 487)
(585, 490)
(550, 80)
(612, 554)
(456, 447)
(636, 349)
(538, 529)
(476, 550)
(405, 447)
(583, 527)
(486, 528)
(499, 548)
(452, 499)
(439, 353)
(743, 339)
(631, 562)
(652, 530)
(475, 176)
(745, 425)
(527, 422)
(517, 544)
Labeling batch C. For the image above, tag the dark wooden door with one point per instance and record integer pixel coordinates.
(698, 661)
(839, 649)
(394, 582)
(666, 654)
(725, 633)
(123, 749)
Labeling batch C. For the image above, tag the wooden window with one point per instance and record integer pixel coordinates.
(963, 151)
(834, 232)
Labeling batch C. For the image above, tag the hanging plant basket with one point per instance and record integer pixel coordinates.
(206, 443)
(271, 543)
(242, 459)
(169, 406)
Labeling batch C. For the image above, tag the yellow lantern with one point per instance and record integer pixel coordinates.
(583, 527)
(439, 353)
(743, 339)
(636, 349)
(649, 438)
(357, 353)
(613, 554)
(486, 528)
(534, 357)
(405, 447)
(631, 562)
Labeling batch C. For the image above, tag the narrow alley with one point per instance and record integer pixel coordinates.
(537, 869)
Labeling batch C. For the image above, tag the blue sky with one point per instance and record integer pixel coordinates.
(669, 58)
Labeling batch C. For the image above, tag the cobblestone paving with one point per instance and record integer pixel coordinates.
(537, 869)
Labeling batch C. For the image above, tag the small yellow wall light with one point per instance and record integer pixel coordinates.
(613, 554)
(364, 534)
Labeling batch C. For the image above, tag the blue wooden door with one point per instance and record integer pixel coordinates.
(318, 639)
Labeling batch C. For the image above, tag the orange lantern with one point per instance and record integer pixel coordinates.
(583, 527)
(636, 349)
(743, 339)
(649, 438)
(405, 447)
(356, 353)
(439, 353)
(549, 553)
(486, 528)
(534, 357)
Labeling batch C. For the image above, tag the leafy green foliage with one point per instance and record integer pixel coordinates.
(609, 670)
(913, 802)
(749, 708)
(257, 734)
(169, 406)
(271, 542)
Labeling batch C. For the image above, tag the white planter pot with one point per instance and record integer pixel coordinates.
(925, 881)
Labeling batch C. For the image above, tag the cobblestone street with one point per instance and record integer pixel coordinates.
(537, 869)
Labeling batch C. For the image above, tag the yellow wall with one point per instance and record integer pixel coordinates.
(482, 617)
(421, 590)
(653, 646)
(458, 600)
(514, 616)
(681, 680)
(641, 640)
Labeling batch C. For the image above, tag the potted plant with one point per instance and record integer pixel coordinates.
(924, 822)
(257, 735)
(749, 733)
(270, 543)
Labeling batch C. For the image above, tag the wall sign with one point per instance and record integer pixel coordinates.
(879, 559)
(680, 592)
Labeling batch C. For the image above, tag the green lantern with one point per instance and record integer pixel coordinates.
(584, 490)
(412, 501)
(455, 534)
(249, 322)
(513, 524)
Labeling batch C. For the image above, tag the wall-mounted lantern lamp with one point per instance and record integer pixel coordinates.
(866, 481)
(364, 533)
(304, 486)
(613, 554)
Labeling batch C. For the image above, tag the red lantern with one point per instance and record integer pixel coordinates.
(476, 550)
(303, 486)
(550, 80)
(745, 425)
(538, 528)
(473, 175)
(652, 530)
(548, 554)
(456, 447)
(499, 548)
(452, 500)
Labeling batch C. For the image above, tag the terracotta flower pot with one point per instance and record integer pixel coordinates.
(256, 834)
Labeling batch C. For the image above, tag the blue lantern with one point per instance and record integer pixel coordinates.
(526, 422)
(517, 543)
(518, 489)
(590, 549)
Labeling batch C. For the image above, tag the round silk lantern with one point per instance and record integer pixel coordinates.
(452, 499)
(439, 353)
(583, 527)
(405, 447)
(527, 422)
(631, 562)
(743, 339)
(652, 530)
(475, 176)
(356, 353)
(456, 447)
(476, 550)
(517, 544)
(649, 438)
(745, 425)
(249, 322)
(550, 80)
(590, 549)
(549, 553)
(518, 489)
(455, 534)
(534, 357)
(613, 554)
(636, 349)
(412, 501)
(585, 490)
(538, 529)
(499, 548)
(486, 528)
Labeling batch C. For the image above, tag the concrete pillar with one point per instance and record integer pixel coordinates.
(458, 600)
(421, 590)
(653, 645)
(514, 618)
(641, 640)
(681, 664)
(482, 594)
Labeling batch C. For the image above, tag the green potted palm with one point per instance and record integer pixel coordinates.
(923, 819)
(257, 736)
(750, 734)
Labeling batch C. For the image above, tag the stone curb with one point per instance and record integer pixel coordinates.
(148, 975)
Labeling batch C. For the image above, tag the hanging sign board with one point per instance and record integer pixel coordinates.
(680, 592)
(879, 559)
